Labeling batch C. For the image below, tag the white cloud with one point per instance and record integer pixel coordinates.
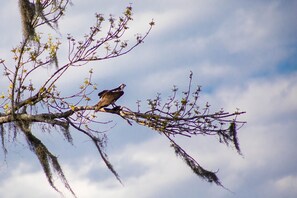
(150, 167)
(287, 184)
(267, 140)
(244, 30)
(265, 99)
(24, 182)
(265, 148)
(218, 41)
(159, 166)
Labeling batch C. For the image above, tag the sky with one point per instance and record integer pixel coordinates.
(242, 53)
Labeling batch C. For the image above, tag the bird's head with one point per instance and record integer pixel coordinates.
(122, 86)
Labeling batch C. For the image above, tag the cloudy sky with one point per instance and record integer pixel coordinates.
(242, 53)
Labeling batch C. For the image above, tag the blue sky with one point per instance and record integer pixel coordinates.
(242, 53)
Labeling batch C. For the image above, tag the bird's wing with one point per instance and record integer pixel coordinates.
(102, 93)
(108, 98)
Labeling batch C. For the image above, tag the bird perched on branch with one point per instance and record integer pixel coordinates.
(109, 97)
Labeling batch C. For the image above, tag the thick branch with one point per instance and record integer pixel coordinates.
(43, 117)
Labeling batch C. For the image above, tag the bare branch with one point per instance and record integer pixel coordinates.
(44, 103)
(183, 117)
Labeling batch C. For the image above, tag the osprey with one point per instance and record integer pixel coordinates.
(109, 97)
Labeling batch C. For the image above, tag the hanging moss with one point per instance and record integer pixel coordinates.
(2, 134)
(27, 10)
(47, 160)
